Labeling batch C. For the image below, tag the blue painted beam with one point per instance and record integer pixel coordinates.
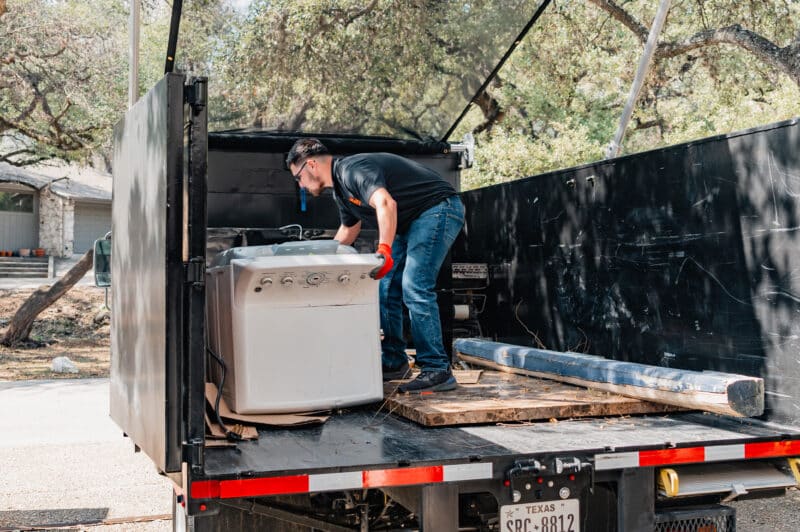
(707, 390)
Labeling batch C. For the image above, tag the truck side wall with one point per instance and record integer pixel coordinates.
(254, 189)
(684, 257)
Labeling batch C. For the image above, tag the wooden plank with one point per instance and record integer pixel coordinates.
(504, 397)
(722, 393)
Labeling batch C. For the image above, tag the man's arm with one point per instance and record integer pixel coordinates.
(386, 213)
(347, 235)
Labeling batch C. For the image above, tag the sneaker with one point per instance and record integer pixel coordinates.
(431, 381)
(403, 372)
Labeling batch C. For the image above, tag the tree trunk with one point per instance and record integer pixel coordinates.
(19, 328)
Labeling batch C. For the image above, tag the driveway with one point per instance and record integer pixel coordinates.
(64, 462)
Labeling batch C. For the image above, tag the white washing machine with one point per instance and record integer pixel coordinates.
(297, 325)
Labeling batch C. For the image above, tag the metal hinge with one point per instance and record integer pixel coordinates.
(193, 454)
(196, 271)
(196, 92)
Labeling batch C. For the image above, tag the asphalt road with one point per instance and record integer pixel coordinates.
(64, 462)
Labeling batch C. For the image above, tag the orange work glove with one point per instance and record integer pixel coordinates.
(385, 252)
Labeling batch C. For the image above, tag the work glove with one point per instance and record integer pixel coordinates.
(384, 252)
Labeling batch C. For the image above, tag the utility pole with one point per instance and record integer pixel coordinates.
(644, 64)
(133, 52)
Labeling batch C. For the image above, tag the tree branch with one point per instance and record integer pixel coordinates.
(786, 60)
(783, 59)
(626, 19)
(492, 111)
(9, 157)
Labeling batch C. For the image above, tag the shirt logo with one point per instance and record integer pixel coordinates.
(354, 201)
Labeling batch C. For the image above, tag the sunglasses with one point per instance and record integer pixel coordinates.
(297, 175)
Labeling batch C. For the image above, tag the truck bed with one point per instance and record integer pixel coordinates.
(363, 439)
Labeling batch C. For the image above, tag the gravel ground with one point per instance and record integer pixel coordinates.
(768, 515)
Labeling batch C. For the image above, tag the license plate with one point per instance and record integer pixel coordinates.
(552, 516)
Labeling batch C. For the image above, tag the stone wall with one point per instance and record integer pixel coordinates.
(56, 223)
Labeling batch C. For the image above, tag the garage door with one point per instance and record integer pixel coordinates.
(91, 222)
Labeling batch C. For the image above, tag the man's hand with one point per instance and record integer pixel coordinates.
(384, 251)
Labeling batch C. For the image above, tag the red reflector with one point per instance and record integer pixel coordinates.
(402, 476)
(572, 477)
(506, 483)
(205, 489)
(253, 487)
(772, 448)
(203, 507)
(540, 480)
(672, 456)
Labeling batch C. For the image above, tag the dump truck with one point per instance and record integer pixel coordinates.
(682, 257)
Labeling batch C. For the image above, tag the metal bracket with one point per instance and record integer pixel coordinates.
(737, 490)
(467, 150)
(193, 454)
(546, 478)
(195, 93)
(196, 271)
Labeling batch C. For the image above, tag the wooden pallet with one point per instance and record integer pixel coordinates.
(504, 397)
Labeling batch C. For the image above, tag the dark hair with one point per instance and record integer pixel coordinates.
(305, 148)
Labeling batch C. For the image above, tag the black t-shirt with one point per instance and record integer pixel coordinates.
(414, 187)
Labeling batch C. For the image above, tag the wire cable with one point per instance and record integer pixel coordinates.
(231, 435)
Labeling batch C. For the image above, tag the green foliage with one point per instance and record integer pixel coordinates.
(564, 89)
(59, 73)
(381, 67)
(403, 69)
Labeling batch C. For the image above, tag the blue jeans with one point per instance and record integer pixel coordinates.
(418, 255)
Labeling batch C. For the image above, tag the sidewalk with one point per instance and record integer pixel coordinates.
(64, 462)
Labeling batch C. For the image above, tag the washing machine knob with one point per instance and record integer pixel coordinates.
(287, 281)
(266, 281)
(344, 278)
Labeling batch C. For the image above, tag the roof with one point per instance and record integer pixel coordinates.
(65, 180)
(14, 174)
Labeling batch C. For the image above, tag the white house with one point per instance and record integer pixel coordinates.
(62, 209)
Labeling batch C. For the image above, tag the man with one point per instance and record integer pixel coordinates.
(419, 215)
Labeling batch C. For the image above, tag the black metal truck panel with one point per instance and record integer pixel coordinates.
(681, 257)
(249, 185)
(147, 268)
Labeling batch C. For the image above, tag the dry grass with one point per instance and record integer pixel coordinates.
(67, 328)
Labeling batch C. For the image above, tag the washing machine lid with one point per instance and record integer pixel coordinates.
(300, 247)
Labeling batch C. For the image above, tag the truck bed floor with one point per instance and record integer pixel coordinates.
(362, 439)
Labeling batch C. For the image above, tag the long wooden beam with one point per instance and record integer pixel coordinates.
(722, 393)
